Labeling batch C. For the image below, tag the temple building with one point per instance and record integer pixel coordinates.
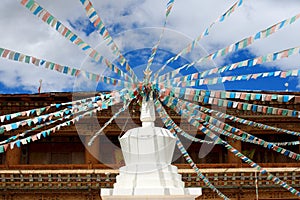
(62, 166)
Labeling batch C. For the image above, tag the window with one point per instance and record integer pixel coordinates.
(55, 150)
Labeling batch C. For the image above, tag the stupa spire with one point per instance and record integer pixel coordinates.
(147, 116)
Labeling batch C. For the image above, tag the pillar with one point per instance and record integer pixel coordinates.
(232, 159)
(92, 153)
(13, 156)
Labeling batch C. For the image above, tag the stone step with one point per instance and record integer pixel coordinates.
(146, 168)
(149, 176)
(149, 191)
(149, 183)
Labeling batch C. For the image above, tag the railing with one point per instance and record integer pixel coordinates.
(103, 178)
(115, 166)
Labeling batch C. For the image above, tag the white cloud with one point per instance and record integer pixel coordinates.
(21, 31)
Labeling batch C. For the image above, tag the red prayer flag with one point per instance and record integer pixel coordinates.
(87, 8)
(46, 16)
(23, 2)
(97, 21)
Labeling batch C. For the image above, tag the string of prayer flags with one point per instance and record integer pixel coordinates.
(254, 165)
(115, 97)
(244, 106)
(292, 143)
(123, 95)
(193, 94)
(125, 107)
(44, 133)
(36, 111)
(89, 110)
(248, 41)
(248, 122)
(262, 171)
(12, 138)
(39, 111)
(190, 95)
(29, 139)
(238, 45)
(226, 133)
(45, 16)
(5, 53)
(35, 120)
(169, 7)
(188, 136)
(196, 169)
(99, 25)
(255, 124)
(38, 120)
(155, 47)
(169, 123)
(255, 61)
(223, 128)
(188, 82)
(191, 46)
(237, 105)
(112, 118)
(245, 63)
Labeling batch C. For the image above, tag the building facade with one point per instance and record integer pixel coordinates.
(62, 166)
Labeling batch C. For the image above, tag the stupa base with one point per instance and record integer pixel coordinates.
(152, 194)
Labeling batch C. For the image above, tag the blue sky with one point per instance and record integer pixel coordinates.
(136, 26)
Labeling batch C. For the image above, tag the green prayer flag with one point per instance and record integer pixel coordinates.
(284, 112)
(278, 150)
(1, 51)
(68, 33)
(291, 51)
(49, 20)
(29, 4)
(270, 110)
(51, 66)
(80, 43)
(27, 59)
(29, 122)
(226, 127)
(223, 52)
(244, 136)
(268, 31)
(289, 73)
(293, 19)
(248, 95)
(196, 95)
(245, 43)
(220, 102)
(223, 94)
(73, 72)
(1, 130)
(207, 118)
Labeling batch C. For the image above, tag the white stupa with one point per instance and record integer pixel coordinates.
(148, 173)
